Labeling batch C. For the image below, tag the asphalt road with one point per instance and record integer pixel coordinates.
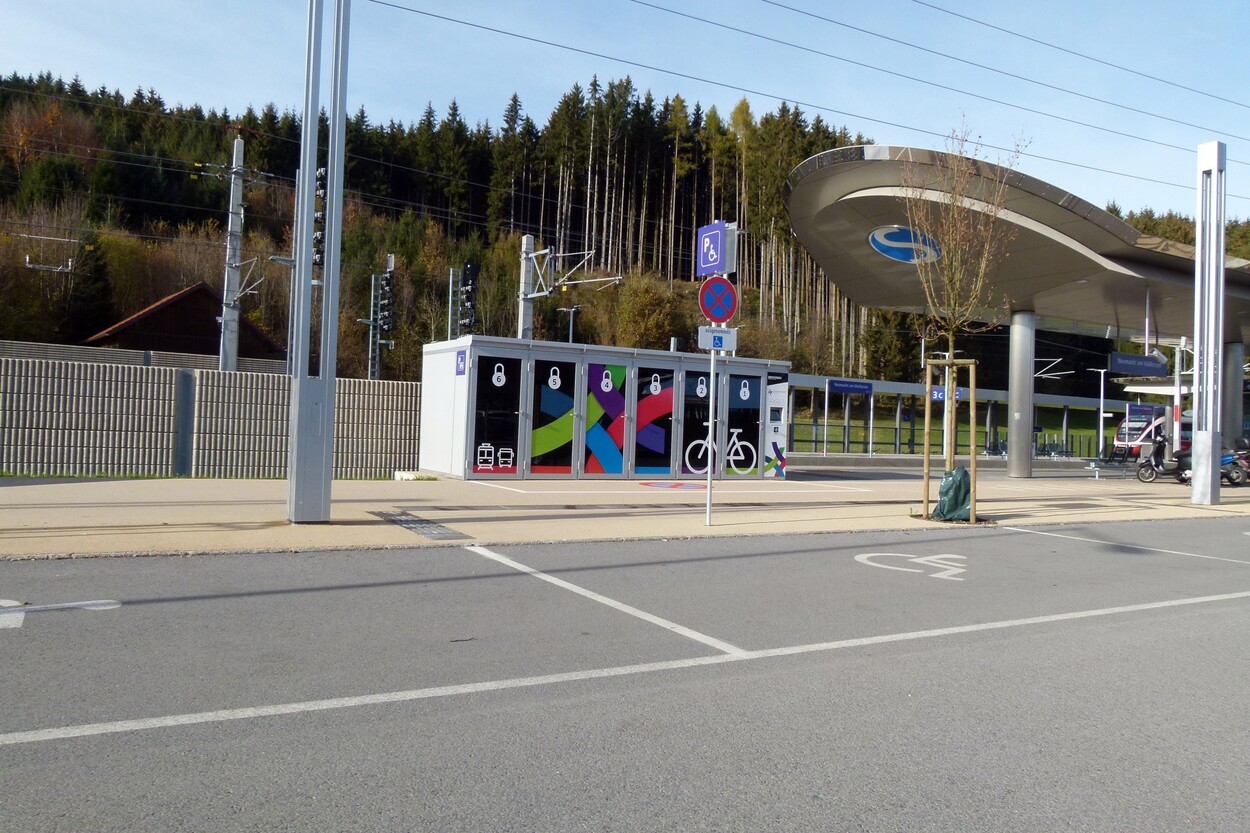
(1058, 678)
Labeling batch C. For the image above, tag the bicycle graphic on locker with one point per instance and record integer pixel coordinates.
(740, 456)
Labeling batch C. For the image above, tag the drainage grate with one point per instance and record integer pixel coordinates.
(428, 529)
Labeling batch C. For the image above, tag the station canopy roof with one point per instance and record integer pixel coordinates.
(1077, 267)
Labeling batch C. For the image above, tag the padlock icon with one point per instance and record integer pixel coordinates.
(553, 381)
(745, 391)
(700, 387)
(606, 384)
(499, 379)
(655, 384)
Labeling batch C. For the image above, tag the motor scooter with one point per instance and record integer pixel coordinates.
(1156, 463)
(1241, 454)
(1234, 470)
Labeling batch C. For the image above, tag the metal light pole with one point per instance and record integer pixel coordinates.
(1208, 322)
(1178, 401)
(571, 311)
(1102, 384)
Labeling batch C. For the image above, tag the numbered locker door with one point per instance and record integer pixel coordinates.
(653, 445)
(495, 445)
(553, 419)
(694, 454)
(743, 434)
(604, 407)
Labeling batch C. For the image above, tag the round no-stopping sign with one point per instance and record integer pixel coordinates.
(718, 299)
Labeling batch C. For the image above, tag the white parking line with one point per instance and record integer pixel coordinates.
(1050, 487)
(1121, 544)
(835, 487)
(120, 726)
(498, 486)
(97, 604)
(13, 613)
(612, 603)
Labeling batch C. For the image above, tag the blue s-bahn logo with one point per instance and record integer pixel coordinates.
(904, 245)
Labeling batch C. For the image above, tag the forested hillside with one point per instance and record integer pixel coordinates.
(118, 201)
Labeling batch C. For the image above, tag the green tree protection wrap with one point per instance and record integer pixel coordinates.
(954, 496)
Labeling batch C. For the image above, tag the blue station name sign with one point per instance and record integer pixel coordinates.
(852, 386)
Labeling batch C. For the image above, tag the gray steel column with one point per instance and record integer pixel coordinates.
(525, 313)
(311, 457)
(228, 355)
(1020, 394)
(308, 488)
(1232, 411)
(331, 275)
(1208, 322)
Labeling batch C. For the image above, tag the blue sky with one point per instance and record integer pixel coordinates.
(407, 53)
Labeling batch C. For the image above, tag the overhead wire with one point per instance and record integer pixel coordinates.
(977, 65)
(776, 97)
(487, 187)
(246, 251)
(1074, 53)
(937, 85)
(367, 199)
(143, 200)
(513, 192)
(379, 201)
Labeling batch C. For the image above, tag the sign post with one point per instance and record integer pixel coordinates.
(711, 436)
(718, 300)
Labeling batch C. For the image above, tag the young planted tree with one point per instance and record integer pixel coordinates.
(954, 204)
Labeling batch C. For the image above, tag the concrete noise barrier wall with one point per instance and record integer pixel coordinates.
(75, 419)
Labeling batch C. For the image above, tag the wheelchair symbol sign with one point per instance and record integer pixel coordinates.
(711, 249)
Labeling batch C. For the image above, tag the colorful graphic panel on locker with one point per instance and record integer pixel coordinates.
(551, 438)
(653, 445)
(741, 454)
(497, 419)
(605, 419)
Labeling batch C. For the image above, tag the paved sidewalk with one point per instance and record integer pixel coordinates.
(83, 517)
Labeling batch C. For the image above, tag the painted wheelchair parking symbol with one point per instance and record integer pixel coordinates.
(943, 562)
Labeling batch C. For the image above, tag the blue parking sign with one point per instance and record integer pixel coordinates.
(711, 249)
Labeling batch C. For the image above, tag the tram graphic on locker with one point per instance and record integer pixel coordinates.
(496, 418)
